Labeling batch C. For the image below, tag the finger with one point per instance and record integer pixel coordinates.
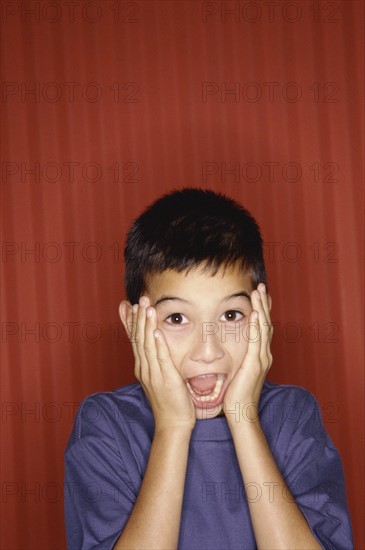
(267, 327)
(258, 353)
(254, 338)
(134, 340)
(168, 369)
(263, 323)
(141, 323)
(150, 343)
(265, 303)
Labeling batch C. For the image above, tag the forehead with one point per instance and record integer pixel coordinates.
(197, 286)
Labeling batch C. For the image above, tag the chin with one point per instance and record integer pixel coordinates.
(207, 413)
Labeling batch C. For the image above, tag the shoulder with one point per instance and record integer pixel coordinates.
(286, 394)
(113, 412)
(290, 408)
(292, 422)
(112, 432)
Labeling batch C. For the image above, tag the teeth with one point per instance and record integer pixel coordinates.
(213, 395)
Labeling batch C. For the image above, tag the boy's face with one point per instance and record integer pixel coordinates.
(208, 331)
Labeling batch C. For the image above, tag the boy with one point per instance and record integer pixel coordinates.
(201, 452)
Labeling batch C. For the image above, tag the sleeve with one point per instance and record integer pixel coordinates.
(98, 493)
(314, 475)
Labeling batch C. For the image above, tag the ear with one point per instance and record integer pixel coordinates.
(125, 313)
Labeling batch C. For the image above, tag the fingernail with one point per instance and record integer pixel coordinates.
(149, 311)
(135, 308)
(263, 288)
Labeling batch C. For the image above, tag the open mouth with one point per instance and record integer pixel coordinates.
(215, 385)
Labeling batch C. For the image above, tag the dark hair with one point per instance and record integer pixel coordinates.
(190, 227)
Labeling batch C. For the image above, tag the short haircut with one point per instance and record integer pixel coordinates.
(190, 228)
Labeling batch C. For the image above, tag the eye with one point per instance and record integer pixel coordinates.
(174, 317)
(234, 312)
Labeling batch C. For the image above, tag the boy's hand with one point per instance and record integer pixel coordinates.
(167, 393)
(245, 388)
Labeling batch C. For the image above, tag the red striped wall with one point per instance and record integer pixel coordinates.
(113, 103)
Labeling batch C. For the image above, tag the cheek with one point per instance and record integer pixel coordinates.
(177, 345)
(237, 351)
(237, 344)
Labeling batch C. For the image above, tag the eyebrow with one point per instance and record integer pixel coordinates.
(241, 293)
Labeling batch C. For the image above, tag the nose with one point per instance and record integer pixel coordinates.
(207, 347)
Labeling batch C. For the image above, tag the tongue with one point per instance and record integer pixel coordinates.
(203, 383)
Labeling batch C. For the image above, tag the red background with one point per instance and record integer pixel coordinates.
(292, 131)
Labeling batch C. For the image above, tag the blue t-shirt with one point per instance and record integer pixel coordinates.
(109, 447)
